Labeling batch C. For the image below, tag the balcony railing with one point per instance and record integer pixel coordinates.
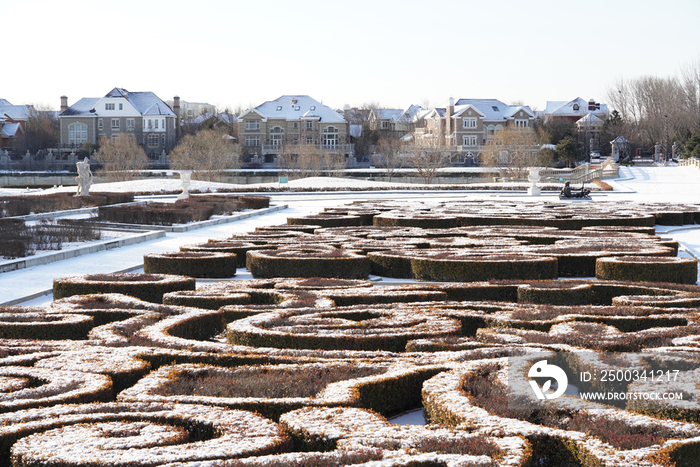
(279, 148)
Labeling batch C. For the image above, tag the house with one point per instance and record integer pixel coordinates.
(272, 128)
(395, 120)
(13, 123)
(575, 110)
(141, 114)
(464, 126)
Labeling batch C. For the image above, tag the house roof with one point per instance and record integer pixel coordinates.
(355, 131)
(491, 109)
(566, 108)
(4, 102)
(295, 107)
(589, 118)
(146, 103)
(16, 112)
(10, 130)
(410, 114)
(387, 114)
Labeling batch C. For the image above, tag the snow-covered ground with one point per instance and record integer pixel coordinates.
(642, 184)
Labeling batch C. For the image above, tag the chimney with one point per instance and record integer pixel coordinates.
(176, 110)
(448, 120)
(176, 106)
(64, 103)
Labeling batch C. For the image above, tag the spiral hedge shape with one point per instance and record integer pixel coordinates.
(44, 387)
(137, 434)
(44, 326)
(351, 328)
(148, 287)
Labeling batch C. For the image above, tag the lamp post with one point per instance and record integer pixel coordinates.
(666, 158)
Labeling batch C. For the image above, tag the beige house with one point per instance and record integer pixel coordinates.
(276, 127)
(465, 126)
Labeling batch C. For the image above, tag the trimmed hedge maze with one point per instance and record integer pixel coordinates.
(306, 364)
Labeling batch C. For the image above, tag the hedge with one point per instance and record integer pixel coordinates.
(193, 264)
(239, 248)
(21, 324)
(349, 328)
(337, 263)
(648, 269)
(148, 287)
(126, 434)
(475, 267)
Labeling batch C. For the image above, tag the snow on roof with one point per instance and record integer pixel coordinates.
(16, 112)
(408, 115)
(9, 130)
(355, 131)
(82, 107)
(386, 114)
(577, 106)
(589, 118)
(4, 103)
(146, 103)
(491, 109)
(294, 107)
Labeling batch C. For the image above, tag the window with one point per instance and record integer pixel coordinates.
(115, 124)
(279, 107)
(297, 108)
(130, 125)
(469, 123)
(77, 134)
(252, 125)
(330, 136)
(309, 125)
(576, 107)
(109, 106)
(469, 140)
(309, 140)
(121, 106)
(521, 123)
(153, 140)
(385, 125)
(295, 142)
(296, 125)
(155, 124)
(276, 136)
(313, 107)
(252, 140)
(100, 125)
(495, 108)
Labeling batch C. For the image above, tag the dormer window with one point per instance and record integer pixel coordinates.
(279, 107)
(297, 108)
(576, 107)
(495, 108)
(313, 107)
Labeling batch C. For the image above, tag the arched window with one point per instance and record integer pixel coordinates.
(276, 136)
(330, 136)
(491, 130)
(77, 134)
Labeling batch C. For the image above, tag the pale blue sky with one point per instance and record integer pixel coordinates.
(393, 53)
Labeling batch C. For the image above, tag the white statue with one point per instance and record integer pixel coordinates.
(185, 180)
(84, 177)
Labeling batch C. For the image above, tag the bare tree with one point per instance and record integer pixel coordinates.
(389, 156)
(426, 156)
(121, 158)
(208, 154)
(513, 150)
(302, 160)
(42, 129)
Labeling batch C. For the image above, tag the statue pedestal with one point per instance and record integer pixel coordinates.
(185, 180)
(534, 177)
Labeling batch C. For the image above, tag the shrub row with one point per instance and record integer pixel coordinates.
(148, 287)
(193, 264)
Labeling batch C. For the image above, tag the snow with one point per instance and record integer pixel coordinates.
(641, 184)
